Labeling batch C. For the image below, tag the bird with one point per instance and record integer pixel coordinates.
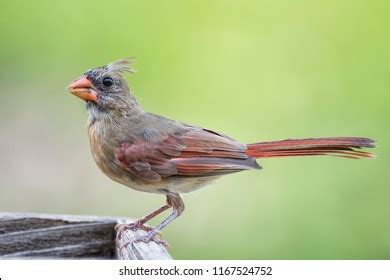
(155, 154)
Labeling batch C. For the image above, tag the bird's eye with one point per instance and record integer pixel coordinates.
(108, 82)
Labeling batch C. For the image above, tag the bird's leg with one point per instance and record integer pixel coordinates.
(140, 223)
(153, 214)
(173, 200)
(177, 209)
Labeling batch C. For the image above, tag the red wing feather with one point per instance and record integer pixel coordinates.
(195, 152)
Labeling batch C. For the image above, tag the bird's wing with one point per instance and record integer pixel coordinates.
(193, 152)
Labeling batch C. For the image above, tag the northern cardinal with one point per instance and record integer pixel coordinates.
(154, 154)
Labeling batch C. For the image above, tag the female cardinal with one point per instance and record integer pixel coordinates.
(154, 154)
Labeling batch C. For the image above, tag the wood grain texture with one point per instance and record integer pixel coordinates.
(27, 235)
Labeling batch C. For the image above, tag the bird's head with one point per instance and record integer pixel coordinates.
(104, 88)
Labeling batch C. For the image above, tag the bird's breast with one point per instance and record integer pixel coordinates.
(103, 149)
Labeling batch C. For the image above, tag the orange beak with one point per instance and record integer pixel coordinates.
(83, 88)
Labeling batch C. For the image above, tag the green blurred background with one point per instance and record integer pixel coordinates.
(255, 70)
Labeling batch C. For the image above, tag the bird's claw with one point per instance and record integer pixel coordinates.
(149, 237)
(133, 226)
(138, 225)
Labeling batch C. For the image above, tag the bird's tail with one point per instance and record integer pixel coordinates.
(348, 147)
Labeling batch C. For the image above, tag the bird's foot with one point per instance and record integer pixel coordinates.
(132, 226)
(152, 235)
(137, 225)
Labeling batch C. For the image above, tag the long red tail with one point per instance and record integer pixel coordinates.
(335, 146)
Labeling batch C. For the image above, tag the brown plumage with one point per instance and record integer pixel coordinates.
(151, 153)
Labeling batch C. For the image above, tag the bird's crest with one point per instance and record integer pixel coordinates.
(122, 65)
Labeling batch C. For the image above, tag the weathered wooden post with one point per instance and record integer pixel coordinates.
(28, 235)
